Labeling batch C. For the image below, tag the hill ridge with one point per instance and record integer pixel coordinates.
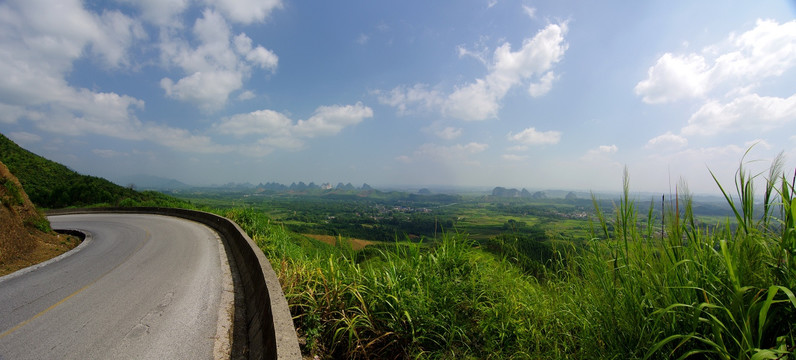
(53, 185)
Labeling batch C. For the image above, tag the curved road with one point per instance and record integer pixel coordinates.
(140, 287)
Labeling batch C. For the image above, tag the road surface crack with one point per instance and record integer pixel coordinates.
(144, 324)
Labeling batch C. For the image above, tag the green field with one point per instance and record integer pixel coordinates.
(391, 216)
(485, 277)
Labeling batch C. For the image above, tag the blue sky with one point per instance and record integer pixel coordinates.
(543, 95)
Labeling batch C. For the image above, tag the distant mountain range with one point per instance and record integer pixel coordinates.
(150, 182)
(301, 186)
(502, 192)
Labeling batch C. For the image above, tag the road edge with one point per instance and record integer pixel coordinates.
(86, 239)
(270, 333)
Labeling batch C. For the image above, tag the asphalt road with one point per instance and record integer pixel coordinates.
(141, 287)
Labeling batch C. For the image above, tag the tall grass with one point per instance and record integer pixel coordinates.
(634, 292)
(446, 300)
(719, 292)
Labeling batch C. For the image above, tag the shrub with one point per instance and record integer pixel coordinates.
(13, 192)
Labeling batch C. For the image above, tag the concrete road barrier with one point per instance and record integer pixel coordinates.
(270, 333)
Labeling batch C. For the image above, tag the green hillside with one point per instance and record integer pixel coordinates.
(52, 185)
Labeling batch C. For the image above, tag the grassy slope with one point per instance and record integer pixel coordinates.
(723, 293)
(52, 185)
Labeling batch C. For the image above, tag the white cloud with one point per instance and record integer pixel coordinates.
(404, 159)
(607, 149)
(243, 43)
(665, 168)
(107, 153)
(531, 12)
(481, 51)
(600, 153)
(83, 111)
(246, 11)
(449, 133)
(513, 157)
(667, 141)
(362, 39)
(476, 101)
(209, 90)
(246, 95)
(403, 97)
(23, 137)
(727, 78)
(530, 136)
(160, 12)
(329, 120)
(63, 32)
(537, 89)
(259, 55)
(445, 154)
(9, 114)
(214, 33)
(768, 50)
(765, 51)
(41, 41)
(110, 114)
(729, 153)
(215, 68)
(282, 142)
(746, 113)
(269, 144)
(260, 122)
(673, 78)
(183, 140)
(481, 99)
(119, 33)
(464, 52)
(758, 143)
(276, 130)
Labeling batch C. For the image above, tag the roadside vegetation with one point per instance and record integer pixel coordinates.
(633, 290)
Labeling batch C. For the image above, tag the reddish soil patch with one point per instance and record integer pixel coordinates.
(356, 244)
(22, 240)
(46, 247)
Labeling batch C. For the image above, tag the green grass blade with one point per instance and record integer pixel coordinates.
(730, 202)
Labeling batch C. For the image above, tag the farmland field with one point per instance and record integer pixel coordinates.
(370, 274)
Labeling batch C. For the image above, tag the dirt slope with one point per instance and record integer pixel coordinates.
(25, 236)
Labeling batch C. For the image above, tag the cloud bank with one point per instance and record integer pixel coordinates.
(724, 80)
(532, 65)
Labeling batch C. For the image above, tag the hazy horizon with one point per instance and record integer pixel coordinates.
(148, 182)
(518, 94)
